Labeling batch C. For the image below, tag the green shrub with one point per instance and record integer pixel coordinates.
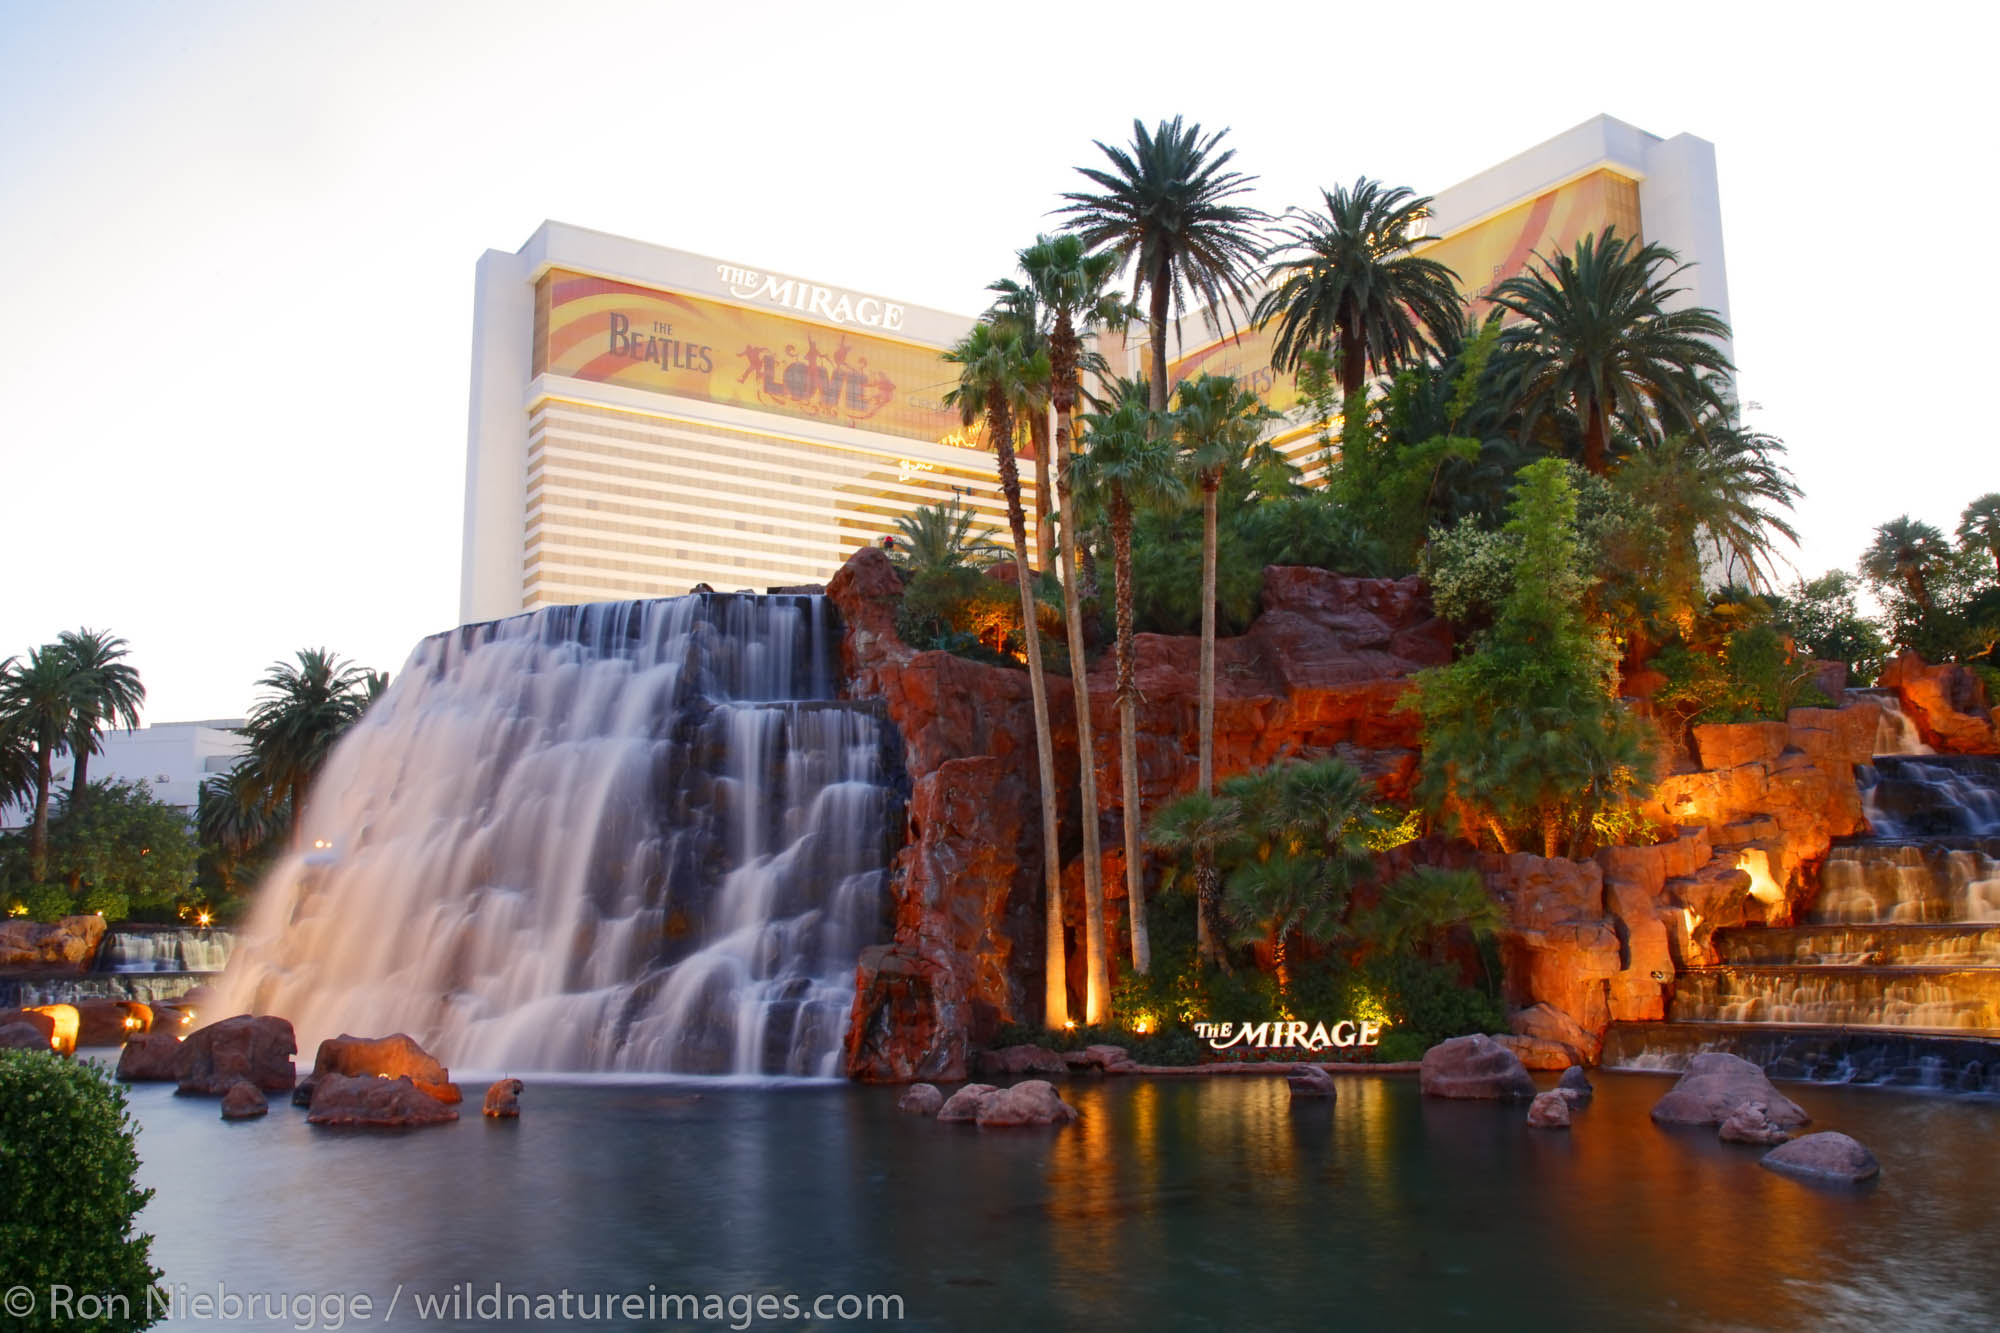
(68, 1201)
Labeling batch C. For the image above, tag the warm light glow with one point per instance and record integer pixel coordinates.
(202, 918)
(1756, 862)
(1070, 1024)
(18, 909)
(321, 844)
(67, 1021)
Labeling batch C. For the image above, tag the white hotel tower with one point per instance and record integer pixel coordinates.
(644, 419)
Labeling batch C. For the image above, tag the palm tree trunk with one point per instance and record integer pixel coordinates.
(1500, 835)
(1055, 992)
(80, 775)
(1045, 530)
(1097, 968)
(38, 833)
(1596, 438)
(1128, 733)
(1156, 336)
(1205, 875)
(1353, 359)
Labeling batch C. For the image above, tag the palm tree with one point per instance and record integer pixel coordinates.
(1904, 550)
(1217, 424)
(939, 537)
(231, 816)
(1129, 462)
(1201, 826)
(992, 372)
(38, 702)
(293, 728)
(1068, 285)
(1353, 285)
(1594, 335)
(1163, 206)
(1723, 492)
(1979, 525)
(108, 693)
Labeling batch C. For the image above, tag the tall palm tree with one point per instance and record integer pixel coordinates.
(1719, 496)
(1593, 334)
(108, 694)
(1217, 424)
(38, 701)
(231, 816)
(1129, 462)
(1069, 286)
(992, 371)
(1164, 206)
(941, 536)
(293, 728)
(1352, 286)
(1979, 525)
(1904, 551)
(1201, 826)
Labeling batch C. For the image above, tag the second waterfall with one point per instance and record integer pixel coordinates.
(640, 836)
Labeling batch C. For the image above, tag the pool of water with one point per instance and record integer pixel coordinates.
(1196, 1204)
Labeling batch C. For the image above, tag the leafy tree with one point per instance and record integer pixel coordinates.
(121, 848)
(941, 536)
(1352, 286)
(38, 703)
(1825, 619)
(1524, 732)
(1416, 909)
(992, 371)
(1594, 335)
(1129, 462)
(1979, 527)
(305, 710)
(1905, 551)
(1163, 206)
(69, 1210)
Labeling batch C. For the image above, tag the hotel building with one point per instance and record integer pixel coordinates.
(644, 419)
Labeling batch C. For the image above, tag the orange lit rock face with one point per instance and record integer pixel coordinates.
(1321, 669)
(257, 1049)
(394, 1056)
(386, 1103)
(70, 942)
(1947, 703)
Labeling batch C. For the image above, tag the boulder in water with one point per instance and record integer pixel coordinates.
(1013, 1061)
(1826, 1157)
(383, 1103)
(1310, 1081)
(1475, 1067)
(1549, 1110)
(256, 1047)
(1575, 1085)
(920, 1099)
(16, 1035)
(503, 1099)
(394, 1056)
(1032, 1102)
(964, 1104)
(1715, 1086)
(1751, 1123)
(243, 1101)
(153, 1058)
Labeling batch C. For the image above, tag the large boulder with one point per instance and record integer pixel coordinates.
(1575, 1085)
(1825, 1157)
(1549, 1110)
(1033, 1102)
(1310, 1081)
(71, 942)
(1947, 703)
(110, 1022)
(153, 1058)
(383, 1103)
(964, 1104)
(1101, 1059)
(394, 1056)
(1751, 1123)
(1716, 1086)
(243, 1102)
(1013, 1061)
(256, 1047)
(16, 1035)
(920, 1099)
(503, 1100)
(1475, 1067)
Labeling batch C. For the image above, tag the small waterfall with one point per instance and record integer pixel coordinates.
(1934, 795)
(1895, 733)
(165, 949)
(626, 836)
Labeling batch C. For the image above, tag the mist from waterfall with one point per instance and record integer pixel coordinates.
(628, 836)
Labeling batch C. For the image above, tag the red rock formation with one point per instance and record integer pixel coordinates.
(1320, 671)
(503, 1100)
(71, 942)
(394, 1056)
(257, 1049)
(1948, 704)
(384, 1103)
(153, 1058)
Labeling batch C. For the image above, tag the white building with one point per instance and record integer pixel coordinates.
(172, 758)
(644, 419)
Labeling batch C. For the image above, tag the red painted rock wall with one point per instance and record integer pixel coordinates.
(1948, 704)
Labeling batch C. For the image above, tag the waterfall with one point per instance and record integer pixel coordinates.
(164, 949)
(628, 836)
(1895, 733)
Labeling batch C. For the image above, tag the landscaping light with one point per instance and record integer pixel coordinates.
(202, 919)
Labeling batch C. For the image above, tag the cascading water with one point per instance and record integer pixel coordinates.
(1894, 732)
(635, 836)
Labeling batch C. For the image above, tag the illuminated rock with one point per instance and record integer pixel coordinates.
(1475, 1067)
(920, 1099)
(256, 1048)
(394, 1056)
(243, 1101)
(153, 1058)
(1549, 1110)
(385, 1103)
(503, 1099)
(1947, 703)
(1825, 1157)
(1716, 1086)
(69, 942)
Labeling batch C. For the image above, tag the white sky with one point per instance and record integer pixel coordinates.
(239, 238)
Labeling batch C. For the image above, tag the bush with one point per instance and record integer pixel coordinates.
(69, 1202)
(1752, 679)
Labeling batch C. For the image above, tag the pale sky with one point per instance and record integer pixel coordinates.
(240, 238)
